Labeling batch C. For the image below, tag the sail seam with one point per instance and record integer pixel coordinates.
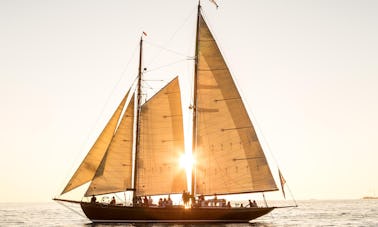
(239, 159)
(227, 129)
(175, 115)
(217, 100)
(210, 70)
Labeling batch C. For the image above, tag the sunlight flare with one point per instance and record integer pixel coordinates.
(187, 161)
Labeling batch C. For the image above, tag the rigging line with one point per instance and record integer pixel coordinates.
(163, 66)
(71, 209)
(169, 50)
(149, 87)
(118, 197)
(292, 196)
(173, 35)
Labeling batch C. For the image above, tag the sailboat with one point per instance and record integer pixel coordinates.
(138, 149)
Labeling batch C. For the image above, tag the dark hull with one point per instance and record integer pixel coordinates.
(103, 213)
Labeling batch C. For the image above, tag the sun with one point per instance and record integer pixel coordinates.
(187, 161)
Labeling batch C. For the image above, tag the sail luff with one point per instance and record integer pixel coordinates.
(91, 162)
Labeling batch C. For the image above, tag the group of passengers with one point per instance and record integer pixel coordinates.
(252, 204)
(112, 201)
(148, 202)
(186, 197)
(215, 202)
(165, 202)
(144, 202)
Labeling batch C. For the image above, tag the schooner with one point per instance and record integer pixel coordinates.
(138, 149)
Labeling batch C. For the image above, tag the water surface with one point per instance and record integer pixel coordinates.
(309, 213)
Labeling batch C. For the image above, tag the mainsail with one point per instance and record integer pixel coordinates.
(115, 171)
(161, 144)
(228, 153)
(91, 162)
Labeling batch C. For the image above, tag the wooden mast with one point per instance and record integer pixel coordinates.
(194, 128)
(137, 131)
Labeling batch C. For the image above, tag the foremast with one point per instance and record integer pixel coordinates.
(138, 110)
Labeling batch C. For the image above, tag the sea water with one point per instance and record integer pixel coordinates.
(308, 213)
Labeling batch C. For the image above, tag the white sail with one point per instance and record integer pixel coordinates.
(91, 162)
(115, 171)
(228, 153)
(161, 144)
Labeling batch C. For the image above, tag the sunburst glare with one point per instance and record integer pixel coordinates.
(187, 161)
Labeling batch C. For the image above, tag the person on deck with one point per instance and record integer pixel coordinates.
(113, 201)
(150, 202)
(93, 199)
(201, 200)
(185, 197)
(145, 201)
(169, 202)
(215, 199)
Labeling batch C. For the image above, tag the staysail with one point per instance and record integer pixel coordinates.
(228, 153)
(161, 144)
(115, 171)
(91, 162)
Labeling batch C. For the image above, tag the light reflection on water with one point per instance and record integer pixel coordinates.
(309, 213)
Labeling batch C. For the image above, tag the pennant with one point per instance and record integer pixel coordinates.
(283, 181)
(215, 3)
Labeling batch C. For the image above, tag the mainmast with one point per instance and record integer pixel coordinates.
(194, 128)
(138, 106)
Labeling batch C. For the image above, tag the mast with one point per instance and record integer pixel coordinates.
(194, 128)
(138, 106)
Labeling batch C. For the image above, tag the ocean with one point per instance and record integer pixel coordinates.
(308, 213)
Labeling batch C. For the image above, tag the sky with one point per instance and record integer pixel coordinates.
(307, 71)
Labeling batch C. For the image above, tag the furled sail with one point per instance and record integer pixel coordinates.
(115, 171)
(91, 162)
(161, 144)
(229, 155)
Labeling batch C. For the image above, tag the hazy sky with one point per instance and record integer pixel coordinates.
(307, 70)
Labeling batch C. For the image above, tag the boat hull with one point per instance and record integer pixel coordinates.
(105, 213)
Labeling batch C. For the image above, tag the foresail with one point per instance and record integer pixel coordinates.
(229, 155)
(91, 162)
(115, 170)
(161, 144)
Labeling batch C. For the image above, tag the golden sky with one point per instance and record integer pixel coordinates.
(307, 71)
